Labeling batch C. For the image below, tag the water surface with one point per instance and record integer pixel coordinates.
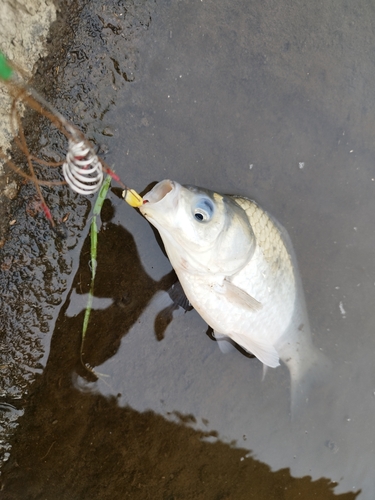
(263, 99)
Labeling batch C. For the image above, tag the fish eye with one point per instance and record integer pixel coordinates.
(203, 210)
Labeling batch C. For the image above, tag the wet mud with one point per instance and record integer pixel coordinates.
(271, 102)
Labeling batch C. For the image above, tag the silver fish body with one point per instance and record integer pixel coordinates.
(237, 267)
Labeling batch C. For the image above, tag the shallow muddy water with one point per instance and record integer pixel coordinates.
(264, 99)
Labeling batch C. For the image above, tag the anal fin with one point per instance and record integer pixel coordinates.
(263, 350)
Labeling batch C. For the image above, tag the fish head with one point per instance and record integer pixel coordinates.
(203, 231)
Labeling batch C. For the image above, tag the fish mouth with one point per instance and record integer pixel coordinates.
(159, 192)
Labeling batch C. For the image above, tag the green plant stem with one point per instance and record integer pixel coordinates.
(93, 256)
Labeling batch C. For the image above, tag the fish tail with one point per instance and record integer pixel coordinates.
(308, 376)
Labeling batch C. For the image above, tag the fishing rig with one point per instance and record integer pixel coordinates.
(83, 170)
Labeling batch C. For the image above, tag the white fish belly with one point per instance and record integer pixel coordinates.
(276, 294)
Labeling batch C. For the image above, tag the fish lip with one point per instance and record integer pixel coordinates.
(159, 192)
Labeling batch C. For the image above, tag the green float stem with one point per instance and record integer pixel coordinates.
(94, 244)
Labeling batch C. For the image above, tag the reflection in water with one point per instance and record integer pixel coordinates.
(78, 303)
(119, 453)
(75, 444)
(122, 288)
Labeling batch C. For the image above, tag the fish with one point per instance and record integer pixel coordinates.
(237, 267)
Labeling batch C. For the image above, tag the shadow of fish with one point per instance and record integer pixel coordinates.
(237, 267)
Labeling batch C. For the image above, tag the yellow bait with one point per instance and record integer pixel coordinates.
(132, 197)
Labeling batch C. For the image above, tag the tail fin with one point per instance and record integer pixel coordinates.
(307, 374)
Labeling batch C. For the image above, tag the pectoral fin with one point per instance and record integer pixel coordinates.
(177, 294)
(263, 350)
(239, 296)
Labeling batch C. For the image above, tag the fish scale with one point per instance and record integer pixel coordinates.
(269, 276)
(268, 234)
